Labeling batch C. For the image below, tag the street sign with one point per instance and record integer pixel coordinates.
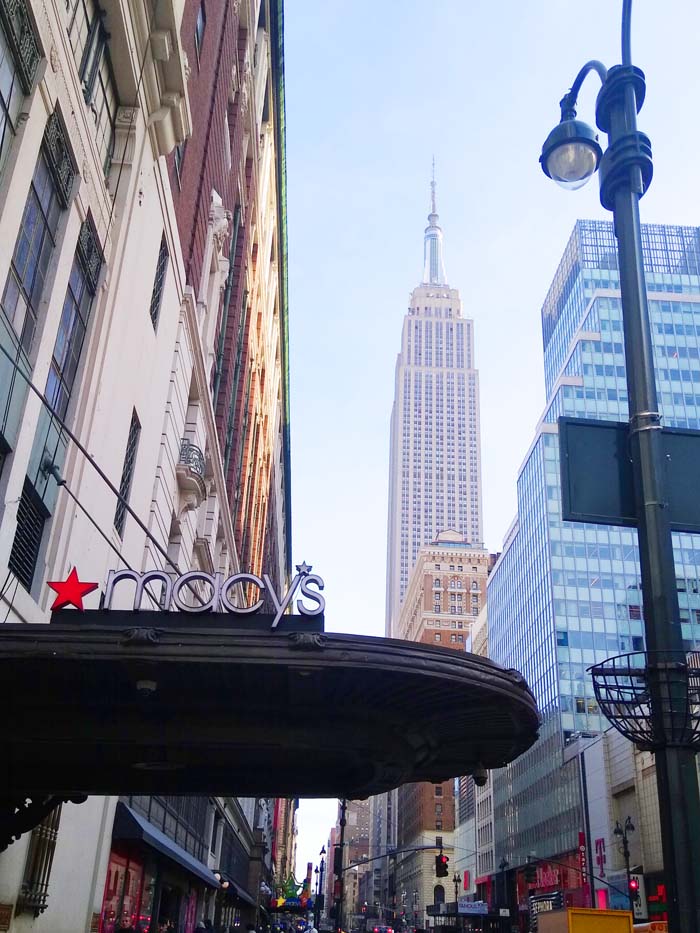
(596, 474)
(504, 911)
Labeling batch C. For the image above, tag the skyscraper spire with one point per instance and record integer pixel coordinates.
(433, 265)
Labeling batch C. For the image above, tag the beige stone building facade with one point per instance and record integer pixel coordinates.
(119, 324)
(446, 593)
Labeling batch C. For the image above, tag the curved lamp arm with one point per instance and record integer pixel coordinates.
(568, 101)
(626, 32)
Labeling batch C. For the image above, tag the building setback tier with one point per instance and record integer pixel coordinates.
(98, 709)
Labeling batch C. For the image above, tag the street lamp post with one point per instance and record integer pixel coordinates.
(570, 156)
(622, 832)
(456, 880)
(340, 877)
(320, 896)
(502, 865)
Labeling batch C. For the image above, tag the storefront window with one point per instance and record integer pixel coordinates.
(128, 896)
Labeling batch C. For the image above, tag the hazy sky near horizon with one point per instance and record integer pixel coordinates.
(374, 89)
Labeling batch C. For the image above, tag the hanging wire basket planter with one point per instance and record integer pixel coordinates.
(624, 687)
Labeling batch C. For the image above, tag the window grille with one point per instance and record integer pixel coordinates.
(30, 259)
(127, 472)
(31, 517)
(159, 282)
(34, 893)
(21, 39)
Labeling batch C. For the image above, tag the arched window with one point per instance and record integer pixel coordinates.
(438, 894)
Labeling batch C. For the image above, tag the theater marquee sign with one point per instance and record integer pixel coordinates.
(198, 592)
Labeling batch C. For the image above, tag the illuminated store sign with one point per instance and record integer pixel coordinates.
(214, 592)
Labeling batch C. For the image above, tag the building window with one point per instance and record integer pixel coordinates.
(159, 282)
(132, 444)
(438, 790)
(31, 518)
(215, 831)
(88, 39)
(438, 636)
(34, 892)
(438, 809)
(30, 259)
(11, 97)
(71, 334)
(199, 29)
(179, 158)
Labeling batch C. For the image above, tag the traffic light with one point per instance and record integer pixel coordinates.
(530, 873)
(634, 887)
(337, 861)
(442, 866)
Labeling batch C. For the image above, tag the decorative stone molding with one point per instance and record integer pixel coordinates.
(125, 135)
(245, 84)
(220, 220)
(161, 45)
(53, 59)
(190, 471)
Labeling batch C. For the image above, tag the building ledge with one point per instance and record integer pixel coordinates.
(165, 71)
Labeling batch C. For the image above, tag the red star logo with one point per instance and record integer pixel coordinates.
(70, 591)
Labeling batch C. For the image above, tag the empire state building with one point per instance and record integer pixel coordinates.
(435, 456)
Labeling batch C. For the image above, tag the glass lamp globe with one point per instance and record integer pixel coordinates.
(572, 164)
(571, 154)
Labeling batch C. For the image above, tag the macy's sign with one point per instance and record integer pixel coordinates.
(220, 597)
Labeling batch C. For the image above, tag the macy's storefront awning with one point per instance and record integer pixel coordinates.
(114, 702)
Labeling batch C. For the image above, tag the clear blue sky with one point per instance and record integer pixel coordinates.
(374, 89)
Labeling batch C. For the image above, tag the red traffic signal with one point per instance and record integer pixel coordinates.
(441, 866)
(634, 885)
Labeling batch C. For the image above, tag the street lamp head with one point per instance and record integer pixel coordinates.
(571, 153)
(323, 851)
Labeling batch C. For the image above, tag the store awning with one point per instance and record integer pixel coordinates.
(130, 826)
(117, 702)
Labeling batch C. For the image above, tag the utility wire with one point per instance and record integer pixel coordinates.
(100, 472)
(62, 483)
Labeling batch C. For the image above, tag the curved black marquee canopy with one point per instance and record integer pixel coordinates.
(122, 702)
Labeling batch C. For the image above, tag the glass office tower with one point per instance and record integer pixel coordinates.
(566, 595)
